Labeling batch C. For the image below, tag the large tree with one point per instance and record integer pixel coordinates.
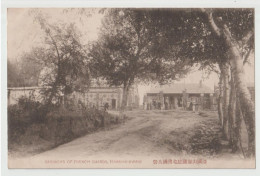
(210, 37)
(63, 58)
(129, 48)
(236, 28)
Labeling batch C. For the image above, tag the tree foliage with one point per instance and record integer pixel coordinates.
(210, 37)
(63, 58)
(129, 49)
(22, 74)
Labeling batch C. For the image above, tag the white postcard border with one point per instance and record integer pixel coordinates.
(117, 3)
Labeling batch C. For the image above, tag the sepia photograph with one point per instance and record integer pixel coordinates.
(131, 88)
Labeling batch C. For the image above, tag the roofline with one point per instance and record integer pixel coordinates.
(30, 88)
(180, 93)
(25, 88)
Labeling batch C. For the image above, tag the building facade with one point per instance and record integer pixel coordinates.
(93, 97)
(98, 97)
(15, 93)
(180, 96)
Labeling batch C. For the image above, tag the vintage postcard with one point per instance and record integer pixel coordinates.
(131, 87)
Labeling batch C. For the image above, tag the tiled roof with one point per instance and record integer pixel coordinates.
(179, 88)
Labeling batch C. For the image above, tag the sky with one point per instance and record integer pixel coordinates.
(23, 33)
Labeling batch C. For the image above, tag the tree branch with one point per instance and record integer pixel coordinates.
(212, 22)
(55, 45)
(246, 56)
(214, 69)
(229, 39)
(247, 37)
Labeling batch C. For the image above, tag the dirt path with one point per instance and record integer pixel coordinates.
(146, 134)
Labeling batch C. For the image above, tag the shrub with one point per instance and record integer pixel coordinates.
(57, 124)
(22, 115)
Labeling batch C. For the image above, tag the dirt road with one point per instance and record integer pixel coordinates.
(148, 134)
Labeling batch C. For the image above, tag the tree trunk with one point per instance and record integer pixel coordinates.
(246, 103)
(236, 61)
(232, 115)
(124, 97)
(237, 147)
(220, 99)
(225, 100)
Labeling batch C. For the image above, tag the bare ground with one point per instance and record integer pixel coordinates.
(149, 132)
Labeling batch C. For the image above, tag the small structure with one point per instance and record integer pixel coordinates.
(181, 96)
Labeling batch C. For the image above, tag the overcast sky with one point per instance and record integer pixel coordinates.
(24, 33)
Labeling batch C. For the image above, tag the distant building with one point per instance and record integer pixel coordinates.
(92, 97)
(99, 96)
(180, 96)
(15, 93)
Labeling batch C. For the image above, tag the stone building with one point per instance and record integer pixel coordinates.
(180, 96)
